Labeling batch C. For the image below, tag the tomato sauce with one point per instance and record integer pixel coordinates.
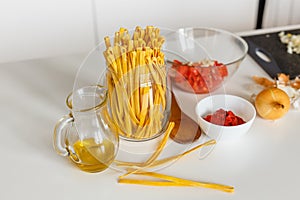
(224, 118)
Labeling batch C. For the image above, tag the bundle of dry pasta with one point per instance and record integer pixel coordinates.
(136, 81)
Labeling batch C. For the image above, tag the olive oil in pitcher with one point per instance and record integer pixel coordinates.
(91, 156)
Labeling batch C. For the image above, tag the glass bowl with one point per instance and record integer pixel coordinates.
(204, 72)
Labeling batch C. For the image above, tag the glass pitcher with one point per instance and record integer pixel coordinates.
(84, 135)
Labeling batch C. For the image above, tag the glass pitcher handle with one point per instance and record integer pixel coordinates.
(58, 137)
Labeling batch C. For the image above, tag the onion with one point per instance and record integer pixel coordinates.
(272, 103)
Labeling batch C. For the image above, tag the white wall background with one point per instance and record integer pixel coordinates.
(41, 28)
(45, 28)
(281, 13)
(232, 15)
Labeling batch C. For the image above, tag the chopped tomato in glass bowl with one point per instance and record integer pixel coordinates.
(220, 54)
(199, 77)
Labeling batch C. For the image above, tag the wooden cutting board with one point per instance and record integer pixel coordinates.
(287, 63)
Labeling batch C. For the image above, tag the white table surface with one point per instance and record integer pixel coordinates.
(264, 164)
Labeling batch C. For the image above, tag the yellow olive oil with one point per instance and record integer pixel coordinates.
(90, 156)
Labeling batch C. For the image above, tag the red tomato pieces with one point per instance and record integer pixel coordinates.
(224, 118)
(201, 77)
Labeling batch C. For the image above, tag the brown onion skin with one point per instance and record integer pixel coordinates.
(272, 103)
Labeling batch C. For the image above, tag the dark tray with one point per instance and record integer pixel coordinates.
(287, 63)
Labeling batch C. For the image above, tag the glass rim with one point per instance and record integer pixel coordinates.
(69, 101)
